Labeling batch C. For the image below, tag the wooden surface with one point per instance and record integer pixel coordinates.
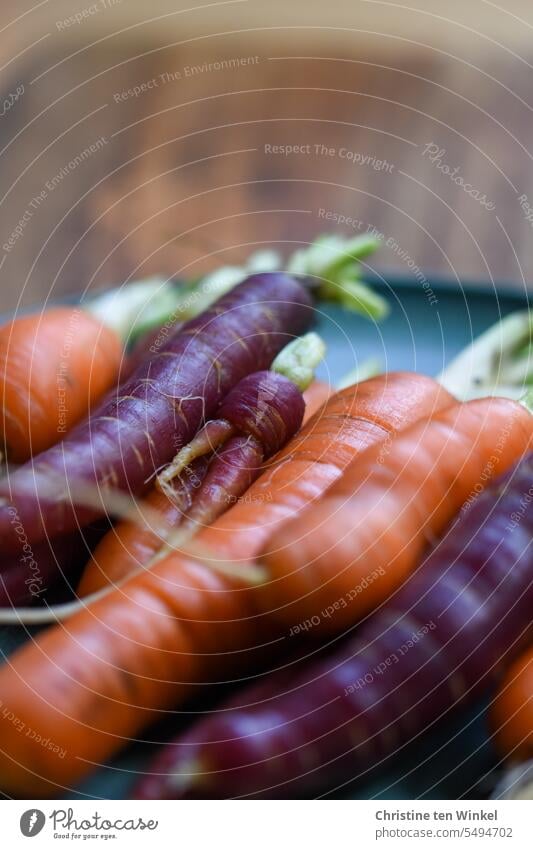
(182, 180)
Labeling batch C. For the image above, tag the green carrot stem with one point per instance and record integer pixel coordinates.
(499, 362)
(335, 262)
(133, 307)
(527, 400)
(299, 359)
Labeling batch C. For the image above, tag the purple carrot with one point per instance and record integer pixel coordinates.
(233, 470)
(255, 420)
(438, 643)
(34, 573)
(159, 409)
(142, 349)
(24, 578)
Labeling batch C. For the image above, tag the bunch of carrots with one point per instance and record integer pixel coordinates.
(267, 508)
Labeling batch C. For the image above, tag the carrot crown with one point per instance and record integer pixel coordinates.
(298, 360)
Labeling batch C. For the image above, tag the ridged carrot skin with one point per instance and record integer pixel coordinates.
(53, 367)
(440, 642)
(512, 711)
(140, 427)
(236, 466)
(92, 683)
(265, 405)
(382, 512)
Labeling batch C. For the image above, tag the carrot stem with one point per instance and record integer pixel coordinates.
(336, 263)
(298, 360)
(213, 434)
(499, 362)
(527, 400)
(134, 308)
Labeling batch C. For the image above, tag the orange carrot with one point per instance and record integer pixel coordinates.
(90, 683)
(512, 711)
(346, 554)
(53, 366)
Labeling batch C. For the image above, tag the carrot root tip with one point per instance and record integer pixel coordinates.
(214, 434)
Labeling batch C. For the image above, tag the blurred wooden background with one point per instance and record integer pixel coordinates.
(100, 184)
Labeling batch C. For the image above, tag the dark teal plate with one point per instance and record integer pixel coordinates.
(417, 335)
(454, 759)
